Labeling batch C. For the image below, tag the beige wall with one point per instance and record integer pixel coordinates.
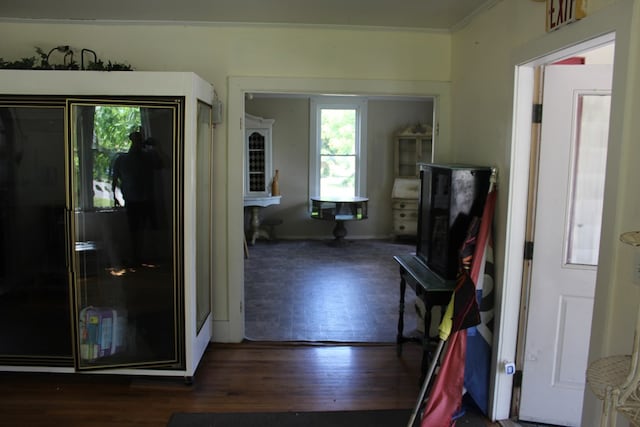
(216, 52)
(385, 117)
(397, 60)
(481, 131)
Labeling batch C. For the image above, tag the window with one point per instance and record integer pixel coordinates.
(337, 165)
(591, 137)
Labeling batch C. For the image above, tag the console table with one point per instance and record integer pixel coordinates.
(433, 290)
(255, 203)
(339, 209)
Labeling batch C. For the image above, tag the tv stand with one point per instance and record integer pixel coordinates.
(431, 289)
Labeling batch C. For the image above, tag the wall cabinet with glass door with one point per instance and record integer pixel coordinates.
(413, 145)
(105, 259)
(258, 156)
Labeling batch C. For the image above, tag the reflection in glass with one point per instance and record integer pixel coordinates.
(34, 286)
(124, 230)
(203, 212)
(588, 173)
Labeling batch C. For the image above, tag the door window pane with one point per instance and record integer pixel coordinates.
(588, 173)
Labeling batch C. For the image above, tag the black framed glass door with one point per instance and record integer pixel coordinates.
(35, 315)
(126, 233)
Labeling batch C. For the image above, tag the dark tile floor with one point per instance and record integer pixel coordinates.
(309, 290)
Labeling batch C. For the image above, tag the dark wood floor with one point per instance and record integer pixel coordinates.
(246, 377)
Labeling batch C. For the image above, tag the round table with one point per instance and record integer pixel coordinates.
(339, 209)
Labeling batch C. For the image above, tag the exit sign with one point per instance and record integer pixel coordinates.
(563, 12)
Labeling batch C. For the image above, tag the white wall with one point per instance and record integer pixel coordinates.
(483, 63)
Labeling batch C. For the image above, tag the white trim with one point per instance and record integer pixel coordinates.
(230, 328)
(229, 24)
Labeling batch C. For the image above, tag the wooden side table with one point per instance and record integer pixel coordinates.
(433, 290)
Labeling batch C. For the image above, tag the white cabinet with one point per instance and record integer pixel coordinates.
(404, 204)
(412, 146)
(258, 169)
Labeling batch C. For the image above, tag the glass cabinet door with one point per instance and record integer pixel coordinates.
(126, 193)
(203, 215)
(35, 303)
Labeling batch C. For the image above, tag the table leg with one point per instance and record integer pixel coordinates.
(255, 223)
(426, 339)
(400, 336)
(256, 229)
(339, 231)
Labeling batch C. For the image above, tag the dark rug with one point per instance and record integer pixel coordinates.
(376, 418)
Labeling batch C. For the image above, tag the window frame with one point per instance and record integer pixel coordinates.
(317, 104)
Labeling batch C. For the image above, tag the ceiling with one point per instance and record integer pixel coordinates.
(418, 14)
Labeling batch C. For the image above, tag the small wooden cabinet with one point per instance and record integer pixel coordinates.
(413, 145)
(404, 204)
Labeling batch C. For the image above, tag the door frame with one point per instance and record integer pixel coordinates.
(228, 295)
(611, 23)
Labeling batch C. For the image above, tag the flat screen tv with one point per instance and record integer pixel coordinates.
(450, 196)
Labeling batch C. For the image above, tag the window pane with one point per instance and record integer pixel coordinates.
(338, 132)
(588, 179)
(338, 176)
(338, 153)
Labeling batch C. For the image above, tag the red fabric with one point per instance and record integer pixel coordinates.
(483, 234)
(445, 398)
(446, 394)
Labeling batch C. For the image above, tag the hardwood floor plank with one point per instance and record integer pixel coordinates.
(248, 377)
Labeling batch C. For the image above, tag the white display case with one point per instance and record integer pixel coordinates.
(102, 274)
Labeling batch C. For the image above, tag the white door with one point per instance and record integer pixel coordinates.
(573, 146)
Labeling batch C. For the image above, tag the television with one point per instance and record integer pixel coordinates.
(450, 196)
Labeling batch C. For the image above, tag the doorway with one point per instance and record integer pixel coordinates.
(296, 286)
(228, 324)
(560, 272)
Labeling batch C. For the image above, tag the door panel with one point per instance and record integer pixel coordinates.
(126, 233)
(568, 214)
(34, 284)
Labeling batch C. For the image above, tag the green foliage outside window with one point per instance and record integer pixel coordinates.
(338, 151)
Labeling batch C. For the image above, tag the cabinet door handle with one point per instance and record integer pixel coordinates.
(402, 215)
